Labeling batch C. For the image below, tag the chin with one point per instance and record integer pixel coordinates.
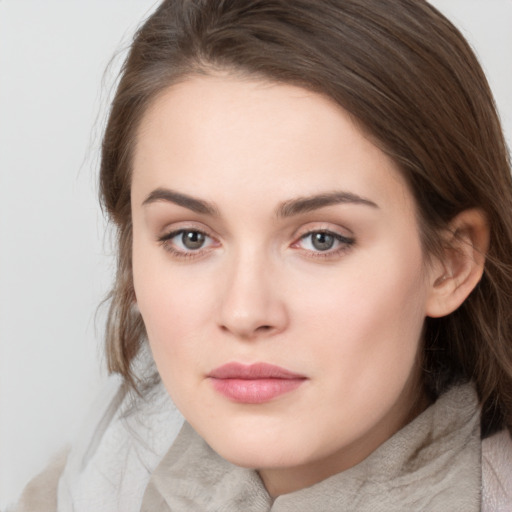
(257, 449)
(259, 457)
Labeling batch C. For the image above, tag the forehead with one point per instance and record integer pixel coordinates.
(219, 136)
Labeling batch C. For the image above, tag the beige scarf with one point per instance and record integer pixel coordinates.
(432, 464)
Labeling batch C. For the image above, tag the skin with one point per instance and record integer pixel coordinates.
(348, 319)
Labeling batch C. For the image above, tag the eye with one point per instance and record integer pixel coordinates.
(192, 240)
(323, 241)
(185, 242)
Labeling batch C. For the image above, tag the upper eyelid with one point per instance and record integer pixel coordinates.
(323, 227)
(339, 237)
(172, 230)
(327, 231)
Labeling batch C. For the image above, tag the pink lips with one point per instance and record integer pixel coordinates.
(255, 383)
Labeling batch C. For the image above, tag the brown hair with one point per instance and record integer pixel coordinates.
(410, 79)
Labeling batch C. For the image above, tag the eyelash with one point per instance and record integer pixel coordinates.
(345, 244)
(166, 239)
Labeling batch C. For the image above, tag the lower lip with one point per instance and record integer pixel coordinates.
(254, 391)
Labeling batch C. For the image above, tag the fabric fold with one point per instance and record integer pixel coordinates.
(432, 464)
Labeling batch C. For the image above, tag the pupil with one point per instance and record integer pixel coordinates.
(322, 241)
(192, 239)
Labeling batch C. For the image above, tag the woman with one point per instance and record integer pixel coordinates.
(313, 202)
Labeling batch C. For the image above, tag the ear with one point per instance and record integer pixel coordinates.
(455, 274)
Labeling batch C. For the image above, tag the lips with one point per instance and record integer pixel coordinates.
(254, 384)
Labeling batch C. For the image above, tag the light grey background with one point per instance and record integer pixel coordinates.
(55, 262)
(54, 256)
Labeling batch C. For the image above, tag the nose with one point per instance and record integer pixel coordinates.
(252, 304)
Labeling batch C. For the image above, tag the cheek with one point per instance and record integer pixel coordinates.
(371, 320)
(176, 309)
(170, 312)
(167, 294)
(171, 323)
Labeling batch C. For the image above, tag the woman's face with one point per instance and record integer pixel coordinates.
(279, 272)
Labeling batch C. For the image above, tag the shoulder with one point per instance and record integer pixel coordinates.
(122, 442)
(41, 492)
(123, 438)
(497, 473)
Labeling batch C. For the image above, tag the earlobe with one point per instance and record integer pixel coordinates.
(458, 271)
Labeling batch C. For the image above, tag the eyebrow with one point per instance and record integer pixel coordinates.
(308, 204)
(289, 208)
(189, 202)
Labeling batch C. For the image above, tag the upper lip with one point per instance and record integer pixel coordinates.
(252, 372)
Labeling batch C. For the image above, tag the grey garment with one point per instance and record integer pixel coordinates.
(432, 464)
(497, 473)
(439, 430)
